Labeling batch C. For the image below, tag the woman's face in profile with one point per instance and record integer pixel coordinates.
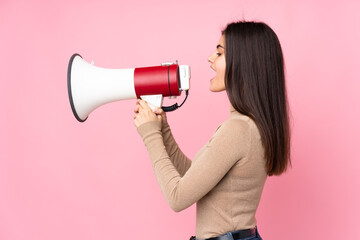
(218, 64)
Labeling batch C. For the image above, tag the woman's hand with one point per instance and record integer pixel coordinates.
(144, 114)
(161, 112)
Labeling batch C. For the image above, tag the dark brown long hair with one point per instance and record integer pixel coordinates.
(255, 85)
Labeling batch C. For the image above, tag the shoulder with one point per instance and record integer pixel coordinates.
(235, 129)
(236, 125)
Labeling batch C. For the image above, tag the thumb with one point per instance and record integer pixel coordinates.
(159, 117)
(158, 110)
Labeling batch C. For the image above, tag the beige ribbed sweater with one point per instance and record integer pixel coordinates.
(225, 178)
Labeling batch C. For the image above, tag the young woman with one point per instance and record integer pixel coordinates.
(227, 176)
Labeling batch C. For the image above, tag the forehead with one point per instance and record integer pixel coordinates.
(222, 41)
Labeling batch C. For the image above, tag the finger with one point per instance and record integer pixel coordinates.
(136, 109)
(158, 110)
(136, 123)
(144, 105)
(141, 107)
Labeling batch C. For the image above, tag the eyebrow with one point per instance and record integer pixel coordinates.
(219, 46)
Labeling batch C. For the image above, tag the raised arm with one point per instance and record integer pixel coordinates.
(229, 144)
(181, 162)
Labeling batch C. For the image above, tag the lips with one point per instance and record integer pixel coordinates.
(212, 68)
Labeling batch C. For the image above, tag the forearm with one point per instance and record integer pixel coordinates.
(181, 162)
(166, 174)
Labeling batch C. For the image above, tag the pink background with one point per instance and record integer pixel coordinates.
(60, 179)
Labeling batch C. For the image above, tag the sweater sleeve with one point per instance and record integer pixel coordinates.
(229, 144)
(181, 162)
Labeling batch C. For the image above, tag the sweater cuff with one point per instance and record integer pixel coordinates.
(149, 127)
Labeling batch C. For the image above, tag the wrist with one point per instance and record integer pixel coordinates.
(149, 127)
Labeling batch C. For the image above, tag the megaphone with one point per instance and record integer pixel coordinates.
(90, 87)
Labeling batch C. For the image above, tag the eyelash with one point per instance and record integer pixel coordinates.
(219, 54)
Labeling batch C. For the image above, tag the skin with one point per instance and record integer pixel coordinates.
(144, 114)
(217, 60)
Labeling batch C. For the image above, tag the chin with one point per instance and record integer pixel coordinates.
(216, 85)
(216, 89)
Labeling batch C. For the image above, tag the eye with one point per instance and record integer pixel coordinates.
(219, 54)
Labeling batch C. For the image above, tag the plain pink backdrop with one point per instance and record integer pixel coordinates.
(60, 179)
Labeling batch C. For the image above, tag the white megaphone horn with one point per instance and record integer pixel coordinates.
(90, 87)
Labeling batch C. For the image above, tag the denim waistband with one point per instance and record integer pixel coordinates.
(234, 235)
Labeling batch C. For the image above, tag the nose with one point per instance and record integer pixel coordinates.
(210, 59)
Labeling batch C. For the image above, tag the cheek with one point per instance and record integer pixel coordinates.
(221, 66)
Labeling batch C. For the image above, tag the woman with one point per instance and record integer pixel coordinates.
(227, 176)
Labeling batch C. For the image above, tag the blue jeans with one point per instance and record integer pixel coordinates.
(255, 236)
